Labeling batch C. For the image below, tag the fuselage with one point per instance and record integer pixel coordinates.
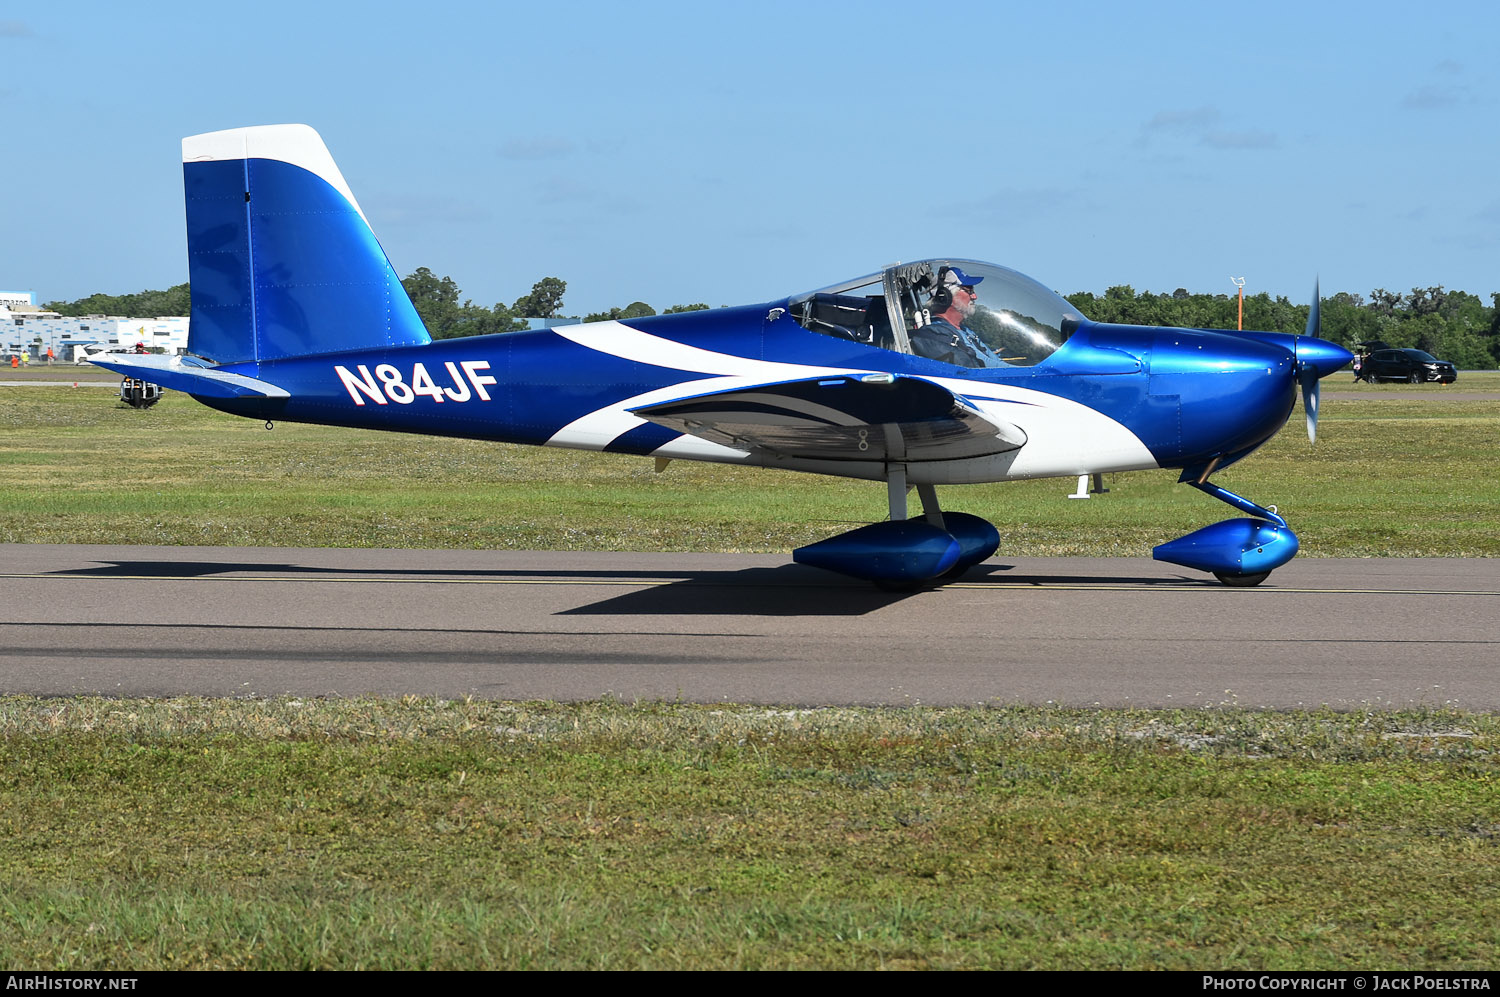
(1112, 398)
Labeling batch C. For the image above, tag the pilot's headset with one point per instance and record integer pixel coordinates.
(942, 297)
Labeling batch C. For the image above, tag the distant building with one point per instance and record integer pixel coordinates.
(25, 328)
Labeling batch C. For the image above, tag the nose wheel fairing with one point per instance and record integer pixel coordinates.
(1233, 547)
(1238, 552)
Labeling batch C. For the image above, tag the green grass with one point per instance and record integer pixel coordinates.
(1397, 471)
(414, 834)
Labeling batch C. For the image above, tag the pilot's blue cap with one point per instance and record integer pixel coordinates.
(958, 278)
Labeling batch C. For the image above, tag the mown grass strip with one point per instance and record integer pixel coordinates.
(420, 834)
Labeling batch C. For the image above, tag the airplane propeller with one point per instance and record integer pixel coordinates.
(1307, 371)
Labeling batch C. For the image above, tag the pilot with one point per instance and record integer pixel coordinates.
(945, 337)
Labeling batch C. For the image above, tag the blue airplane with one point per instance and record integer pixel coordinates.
(942, 371)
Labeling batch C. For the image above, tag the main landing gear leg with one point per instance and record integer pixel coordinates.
(895, 491)
(930, 509)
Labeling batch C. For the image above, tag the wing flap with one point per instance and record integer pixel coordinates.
(874, 417)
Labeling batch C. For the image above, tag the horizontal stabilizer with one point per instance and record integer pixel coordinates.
(187, 376)
(870, 417)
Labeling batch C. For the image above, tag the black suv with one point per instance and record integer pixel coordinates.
(1412, 366)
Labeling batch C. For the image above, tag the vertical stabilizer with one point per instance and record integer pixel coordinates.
(281, 260)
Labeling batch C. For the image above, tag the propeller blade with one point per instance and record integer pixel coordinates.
(1314, 321)
(1307, 370)
(1309, 378)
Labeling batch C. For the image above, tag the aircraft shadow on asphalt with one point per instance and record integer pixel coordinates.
(783, 590)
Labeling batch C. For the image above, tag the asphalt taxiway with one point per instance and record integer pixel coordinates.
(216, 621)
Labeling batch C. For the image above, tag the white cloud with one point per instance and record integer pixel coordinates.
(1432, 98)
(1252, 138)
(1200, 125)
(1192, 120)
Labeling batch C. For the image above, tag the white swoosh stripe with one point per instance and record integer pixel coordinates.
(1062, 434)
(620, 340)
(601, 427)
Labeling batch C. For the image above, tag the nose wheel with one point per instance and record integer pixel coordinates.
(1242, 581)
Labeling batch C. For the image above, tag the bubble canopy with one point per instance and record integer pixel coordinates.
(963, 312)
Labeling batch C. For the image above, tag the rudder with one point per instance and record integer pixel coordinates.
(281, 260)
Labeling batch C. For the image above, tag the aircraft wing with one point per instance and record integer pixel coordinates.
(172, 372)
(869, 417)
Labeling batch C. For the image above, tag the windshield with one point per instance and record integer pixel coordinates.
(962, 312)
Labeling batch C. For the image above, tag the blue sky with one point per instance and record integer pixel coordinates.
(729, 153)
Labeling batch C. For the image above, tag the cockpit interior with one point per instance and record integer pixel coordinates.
(963, 312)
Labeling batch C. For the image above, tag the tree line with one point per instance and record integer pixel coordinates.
(146, 304)
(437, 300)
(1452, 325)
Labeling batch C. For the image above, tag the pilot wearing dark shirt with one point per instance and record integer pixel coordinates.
(944, 336)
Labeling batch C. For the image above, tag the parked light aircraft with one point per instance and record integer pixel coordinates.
(942, 371)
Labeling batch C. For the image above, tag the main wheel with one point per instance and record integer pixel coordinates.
(1242, 581)
(137, 398)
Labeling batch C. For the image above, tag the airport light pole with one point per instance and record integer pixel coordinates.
(1239, 282)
